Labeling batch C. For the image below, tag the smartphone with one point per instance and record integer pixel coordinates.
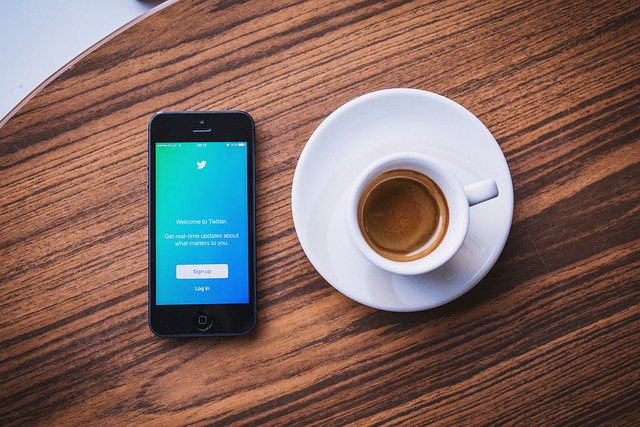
(202, 232)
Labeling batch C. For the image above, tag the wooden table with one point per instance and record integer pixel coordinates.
(550, 336)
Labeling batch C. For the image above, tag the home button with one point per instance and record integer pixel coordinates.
(203, 321)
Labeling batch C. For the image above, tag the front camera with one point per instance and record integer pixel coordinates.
(201, 121)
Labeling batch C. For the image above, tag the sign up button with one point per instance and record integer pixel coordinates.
(202, 271)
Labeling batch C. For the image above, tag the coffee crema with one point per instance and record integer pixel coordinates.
(403, 215)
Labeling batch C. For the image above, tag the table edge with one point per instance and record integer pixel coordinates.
(80, 56)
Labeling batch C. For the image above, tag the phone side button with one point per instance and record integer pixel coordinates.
(202, 321)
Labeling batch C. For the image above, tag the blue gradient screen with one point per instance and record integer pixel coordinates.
(201, 208)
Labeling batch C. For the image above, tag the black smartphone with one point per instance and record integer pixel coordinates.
(202, 232)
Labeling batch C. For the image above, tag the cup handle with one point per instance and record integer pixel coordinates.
(481, 191)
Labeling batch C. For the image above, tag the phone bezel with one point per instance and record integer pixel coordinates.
(177, 126)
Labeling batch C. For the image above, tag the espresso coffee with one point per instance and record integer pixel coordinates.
(403, 215)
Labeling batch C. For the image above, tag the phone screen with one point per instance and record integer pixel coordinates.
(201, 223)
(202, 235)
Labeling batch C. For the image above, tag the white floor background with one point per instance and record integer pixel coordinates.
(37, 37)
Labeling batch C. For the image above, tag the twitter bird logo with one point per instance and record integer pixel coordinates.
(201, 164)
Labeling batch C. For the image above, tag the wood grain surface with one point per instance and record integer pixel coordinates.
(549, 337)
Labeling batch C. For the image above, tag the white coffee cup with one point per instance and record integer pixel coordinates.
(458, 201)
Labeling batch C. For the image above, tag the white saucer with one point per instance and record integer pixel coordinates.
(370, 127)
